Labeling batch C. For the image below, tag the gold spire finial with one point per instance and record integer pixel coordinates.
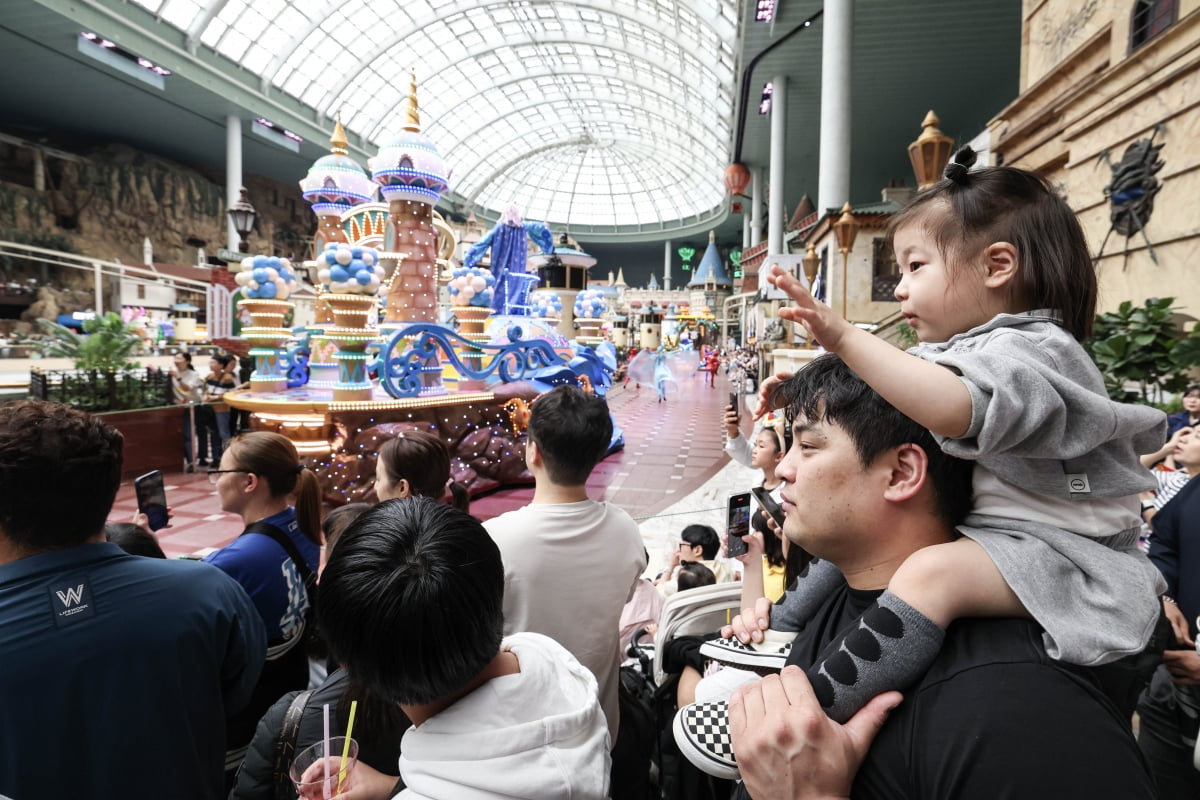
(412, 116)
(339, 144)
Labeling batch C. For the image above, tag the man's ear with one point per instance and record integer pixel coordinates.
(1000, 260)
(909, 470)
(533, 456)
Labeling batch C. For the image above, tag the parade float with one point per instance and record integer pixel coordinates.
(382, 357)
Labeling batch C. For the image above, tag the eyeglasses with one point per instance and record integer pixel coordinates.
(215, 474)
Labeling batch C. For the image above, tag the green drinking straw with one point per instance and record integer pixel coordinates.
(346, 746)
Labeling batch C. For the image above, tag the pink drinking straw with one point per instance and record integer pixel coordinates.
(325, 780)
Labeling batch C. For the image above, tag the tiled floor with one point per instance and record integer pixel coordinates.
(672, 472)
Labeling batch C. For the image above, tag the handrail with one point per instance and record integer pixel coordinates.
(112, 269)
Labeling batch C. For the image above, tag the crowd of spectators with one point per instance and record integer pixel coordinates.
(483, 658)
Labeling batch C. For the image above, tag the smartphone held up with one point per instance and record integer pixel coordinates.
(737, 524)
(152, 498)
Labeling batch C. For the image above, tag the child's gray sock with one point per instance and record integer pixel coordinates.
(890, 648)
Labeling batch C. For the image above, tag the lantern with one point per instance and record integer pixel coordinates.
(737, 178)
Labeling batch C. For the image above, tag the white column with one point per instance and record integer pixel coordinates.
(98, 280)
(833, 185)
(756, 204)
(667, 265)
(745, 230)
(39, 170)
(233, 175)
(775, 218)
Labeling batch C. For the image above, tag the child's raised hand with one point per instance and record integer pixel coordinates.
(816, 317)
(765, 391)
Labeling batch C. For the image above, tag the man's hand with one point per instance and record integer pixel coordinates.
(787, 749)
(1179, 624)
(749, 625)
(816, 317)
(1184, 666)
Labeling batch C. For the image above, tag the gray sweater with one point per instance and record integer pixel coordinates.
(1040, 412)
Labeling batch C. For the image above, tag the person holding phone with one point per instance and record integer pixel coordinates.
(261, 479)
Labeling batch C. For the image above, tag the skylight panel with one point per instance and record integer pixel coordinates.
(179, 13)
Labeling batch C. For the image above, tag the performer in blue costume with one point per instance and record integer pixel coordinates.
(508, 243)
(663, 369)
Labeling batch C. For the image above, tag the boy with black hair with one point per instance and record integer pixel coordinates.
(570, 562)
(410, 602)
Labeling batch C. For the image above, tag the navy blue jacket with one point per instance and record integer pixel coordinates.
(117, 672)
(1175, 549)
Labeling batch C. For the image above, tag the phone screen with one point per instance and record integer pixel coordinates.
(769, 505)
(152, 498)
(733, 403)
(737, 523)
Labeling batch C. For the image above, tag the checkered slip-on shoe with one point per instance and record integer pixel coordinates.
(702, 733)
(765, 657)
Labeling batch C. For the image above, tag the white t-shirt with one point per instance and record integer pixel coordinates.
(538, 733)
(569, 569)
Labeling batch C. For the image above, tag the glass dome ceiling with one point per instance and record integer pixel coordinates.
(615, 113)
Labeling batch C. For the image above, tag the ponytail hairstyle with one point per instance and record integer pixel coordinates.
(419, 457)
(273, 458)
(967, 211)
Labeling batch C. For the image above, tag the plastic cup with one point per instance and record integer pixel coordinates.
(310, 768)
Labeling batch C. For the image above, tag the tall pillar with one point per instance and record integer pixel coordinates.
(775, 218)
(833, 185)
(756, 204)
(233, 175)
(667, 265)
(745, 231)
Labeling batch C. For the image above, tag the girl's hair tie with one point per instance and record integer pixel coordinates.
(957, 169)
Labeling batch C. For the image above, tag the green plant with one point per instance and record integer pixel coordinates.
(108, 345)
(1140, 346)
(906, 336)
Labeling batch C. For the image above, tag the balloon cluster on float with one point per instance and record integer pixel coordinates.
(545, 304)
(343, 269)
(590, 304)
(471, 286)
(265, 277)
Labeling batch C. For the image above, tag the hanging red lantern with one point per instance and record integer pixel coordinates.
(737, 178)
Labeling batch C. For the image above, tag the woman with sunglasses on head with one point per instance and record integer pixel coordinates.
(261, 479)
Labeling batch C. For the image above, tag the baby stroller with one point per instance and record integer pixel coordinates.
(650, 765)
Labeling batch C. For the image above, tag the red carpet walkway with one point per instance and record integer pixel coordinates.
(671, 449)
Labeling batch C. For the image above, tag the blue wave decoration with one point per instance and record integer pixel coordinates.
(400, 371)
(295, 365)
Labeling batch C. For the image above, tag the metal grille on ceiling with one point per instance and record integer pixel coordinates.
(591, 114)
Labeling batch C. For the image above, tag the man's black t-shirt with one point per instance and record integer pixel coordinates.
(994, 717)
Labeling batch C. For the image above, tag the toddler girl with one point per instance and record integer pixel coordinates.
(998, 283)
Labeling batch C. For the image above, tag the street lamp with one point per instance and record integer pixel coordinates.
(811, 263)
(845, 229)
(242, 215)
(930, 152)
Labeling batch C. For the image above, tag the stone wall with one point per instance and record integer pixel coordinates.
(109, 199)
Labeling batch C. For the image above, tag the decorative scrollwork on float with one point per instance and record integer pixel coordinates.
(400, 370)
(295, 366)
